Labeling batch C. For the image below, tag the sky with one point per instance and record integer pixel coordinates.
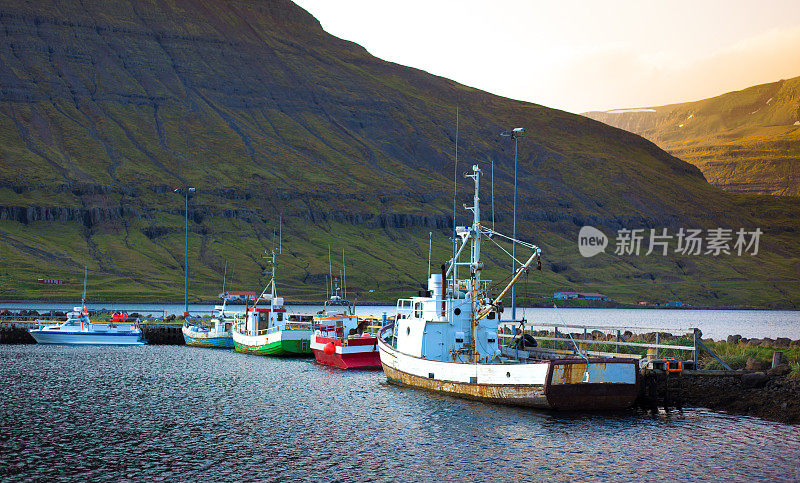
(580, 55)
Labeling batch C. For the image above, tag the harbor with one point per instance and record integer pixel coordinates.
(284, 240)
(763, 388)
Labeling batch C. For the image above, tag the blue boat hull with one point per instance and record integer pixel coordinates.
(212, 342)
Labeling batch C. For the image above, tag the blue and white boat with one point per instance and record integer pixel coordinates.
(78, 329)
(218, 334)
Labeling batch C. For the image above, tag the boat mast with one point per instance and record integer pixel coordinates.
(475, 262)
(84, 312)
(330, 269)
(83, 298)
(344, 276)
(272, 300)
(224, 277)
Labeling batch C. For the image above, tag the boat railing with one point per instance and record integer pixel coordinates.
(290, 325)
(605, 340)
(462, 287)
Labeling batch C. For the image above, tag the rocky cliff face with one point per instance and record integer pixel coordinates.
(106, 107)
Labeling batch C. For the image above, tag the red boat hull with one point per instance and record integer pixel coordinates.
(361, 353)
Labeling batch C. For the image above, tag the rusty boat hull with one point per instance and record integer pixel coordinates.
(564, 384)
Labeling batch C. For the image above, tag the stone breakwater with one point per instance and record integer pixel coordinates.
(772, 394)
(780, 342)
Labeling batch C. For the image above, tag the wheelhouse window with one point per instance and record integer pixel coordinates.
(418, 310)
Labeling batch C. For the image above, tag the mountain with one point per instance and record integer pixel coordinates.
(106, 107)
(746, 141)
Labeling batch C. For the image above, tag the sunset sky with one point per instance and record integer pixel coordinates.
(580, 55)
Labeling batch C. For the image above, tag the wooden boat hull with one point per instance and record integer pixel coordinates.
(548, 384)
(360, 353)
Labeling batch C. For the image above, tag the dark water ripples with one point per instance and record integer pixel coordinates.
(166, 412)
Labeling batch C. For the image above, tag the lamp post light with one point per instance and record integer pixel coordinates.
(186, 251)
(514, 134)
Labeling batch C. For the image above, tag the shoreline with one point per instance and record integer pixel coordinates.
(392, 303)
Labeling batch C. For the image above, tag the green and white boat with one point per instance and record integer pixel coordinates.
(268, 330)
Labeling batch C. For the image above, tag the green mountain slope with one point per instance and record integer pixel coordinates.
(106, 107)
(746, 141)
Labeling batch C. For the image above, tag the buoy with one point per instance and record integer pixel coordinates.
(329, 348)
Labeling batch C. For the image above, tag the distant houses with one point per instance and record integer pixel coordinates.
(673, 303)
(580, 295)
(50, 281)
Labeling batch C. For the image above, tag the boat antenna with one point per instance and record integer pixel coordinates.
(455, 193)
(344, 275)
(330, 268)
(274, 292)
(327, 286)
(224, 276)
(492, 192)
(83, 298)
(430, 245)
(280, 234)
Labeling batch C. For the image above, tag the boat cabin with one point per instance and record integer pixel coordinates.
(336, 319)
(438, 327)
(259, 320)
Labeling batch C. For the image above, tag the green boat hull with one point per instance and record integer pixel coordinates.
(278, 348)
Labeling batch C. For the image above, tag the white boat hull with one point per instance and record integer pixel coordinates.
(558, 384)
(87, 338)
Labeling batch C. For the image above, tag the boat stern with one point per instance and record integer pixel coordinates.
(593, 384)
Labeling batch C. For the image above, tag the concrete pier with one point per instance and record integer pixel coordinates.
(162, 334)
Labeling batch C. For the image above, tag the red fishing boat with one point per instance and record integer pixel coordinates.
(341, 340)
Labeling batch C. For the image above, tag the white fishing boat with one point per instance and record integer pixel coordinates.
(447, 341)
(79, 329)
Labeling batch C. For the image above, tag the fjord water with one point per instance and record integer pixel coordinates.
(166, 412)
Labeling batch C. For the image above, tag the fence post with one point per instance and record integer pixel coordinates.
(777, 358)
(657, 341)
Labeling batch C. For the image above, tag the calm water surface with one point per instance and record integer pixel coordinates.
(716, 324)
(168, 412)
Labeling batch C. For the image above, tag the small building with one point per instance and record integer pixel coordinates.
(238, 296)
(580, 295)
(673, 303)
(50, 281)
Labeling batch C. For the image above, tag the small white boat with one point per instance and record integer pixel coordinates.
(218, 334)
(78, 329)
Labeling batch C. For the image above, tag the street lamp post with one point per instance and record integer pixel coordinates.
(514, 134)
(186, 252)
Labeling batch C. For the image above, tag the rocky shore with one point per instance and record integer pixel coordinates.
(773, 394)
